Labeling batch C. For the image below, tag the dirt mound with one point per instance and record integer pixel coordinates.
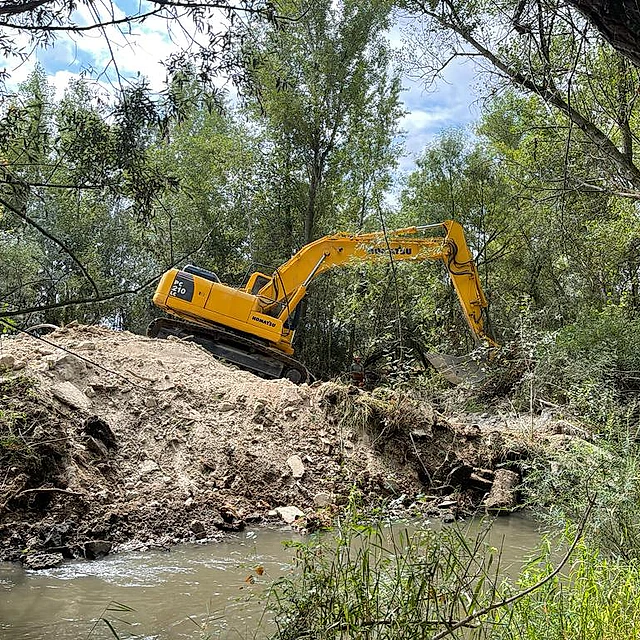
(109, 440)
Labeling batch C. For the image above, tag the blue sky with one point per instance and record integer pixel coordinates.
(449, 103)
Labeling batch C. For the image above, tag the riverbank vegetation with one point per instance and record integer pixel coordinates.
(372, 582)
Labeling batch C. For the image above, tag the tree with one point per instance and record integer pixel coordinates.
(325, 93)
(618, 22)
(313, 83)
(547, 49)
(73, 187)
(204, 27)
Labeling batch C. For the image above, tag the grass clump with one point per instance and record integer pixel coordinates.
(369, 582)
(595, 599)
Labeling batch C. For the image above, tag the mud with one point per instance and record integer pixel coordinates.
(112, 441)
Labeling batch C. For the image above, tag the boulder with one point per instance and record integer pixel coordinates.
(198, 529)
(296, 466)
(68, 393)
(39, 561)
(96, 549)
(323, 499)
(503, 494)
(289, 514)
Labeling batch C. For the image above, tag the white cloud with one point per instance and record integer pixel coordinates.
(138, 50)
(450, 102)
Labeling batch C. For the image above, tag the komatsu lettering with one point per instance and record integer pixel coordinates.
(267, 322)
(398, 251)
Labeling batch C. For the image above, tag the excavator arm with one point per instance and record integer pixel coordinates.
(286, 287)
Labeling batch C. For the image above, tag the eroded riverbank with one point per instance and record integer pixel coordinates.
(112, 440)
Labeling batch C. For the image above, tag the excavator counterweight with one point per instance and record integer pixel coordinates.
(253, 326)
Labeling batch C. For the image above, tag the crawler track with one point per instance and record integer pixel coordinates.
(235, 348)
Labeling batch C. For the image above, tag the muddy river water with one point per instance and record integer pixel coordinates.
(192, 591)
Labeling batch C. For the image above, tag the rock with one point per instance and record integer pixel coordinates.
(39, 561)
(472, 432)
(100, 430)
(479, 482)
(96, 447)
(421, 434)
(148, 466)
(7, 362)
(323, 499)
(231, 527)
(487, 474)
(229, 513)
(188, 503)
(503, 492)
(68, 366)
(198, 529)
(289, 514)
(253, 518)
(86, 345)
(150, 403)
(447, 504)
(292, 397)
(459, 475)
(96, 549)
(226, 406)
(296, 466)
(58, 535)
(68, 393)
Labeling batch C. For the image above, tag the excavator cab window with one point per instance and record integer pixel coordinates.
(291, 322)
(258, 283)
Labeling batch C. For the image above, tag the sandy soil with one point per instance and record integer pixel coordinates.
(110, 440)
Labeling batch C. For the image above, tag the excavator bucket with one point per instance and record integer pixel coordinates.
(468, 370)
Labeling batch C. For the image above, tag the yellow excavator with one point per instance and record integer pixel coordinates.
(253, 326)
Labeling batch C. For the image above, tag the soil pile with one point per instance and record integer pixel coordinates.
(110, 440)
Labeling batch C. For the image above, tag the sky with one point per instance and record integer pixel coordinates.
(448, 104)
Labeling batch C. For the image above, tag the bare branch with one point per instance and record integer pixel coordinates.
(505, 602)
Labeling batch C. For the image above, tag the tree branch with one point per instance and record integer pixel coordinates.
(30, 221)
(12, 313)
(627, 168)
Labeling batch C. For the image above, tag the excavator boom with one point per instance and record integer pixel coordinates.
(255, 324)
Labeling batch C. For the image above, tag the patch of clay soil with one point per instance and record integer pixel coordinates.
(110, 440)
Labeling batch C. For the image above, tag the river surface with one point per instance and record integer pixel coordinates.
(192, 591)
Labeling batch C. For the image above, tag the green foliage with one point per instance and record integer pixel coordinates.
(110, 622)
(595, 598)
(564, 477)
(368, 581)
(591, 368)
